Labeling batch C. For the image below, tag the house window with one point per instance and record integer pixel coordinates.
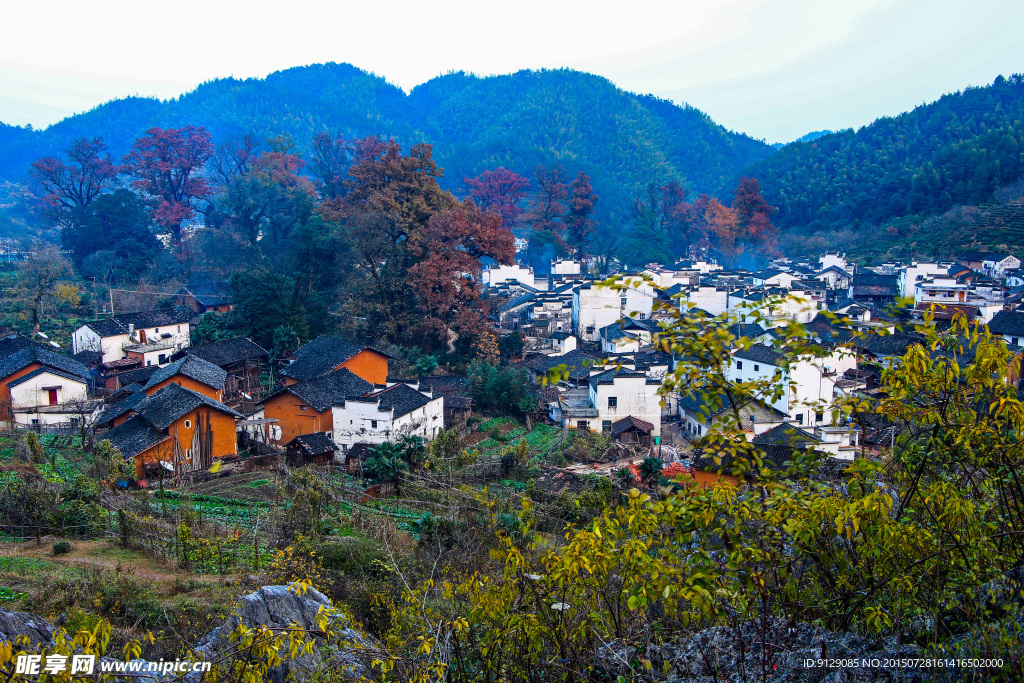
(623, 301)
(303, 408)
(52, 396)
(590, 329)
(157, 330)
(643, 316)
(613, 402)
(179, 328)
(188, 424)
(739, 365)
(800, 419)
(818, 417)
(606, 426)
(163, 359)
(756, 367)
(149, 362)
(582, 424)
(1014, 341)
(373, 424)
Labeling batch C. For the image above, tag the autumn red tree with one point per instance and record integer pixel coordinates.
(86, 173)
(331, 158)
(723, 225)
(500, 191)
(548, 206)
(167, 165)
(446, 280)
(753, 215)
(579, 224)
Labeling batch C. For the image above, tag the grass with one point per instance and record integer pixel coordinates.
(24, 565)
(258, 483)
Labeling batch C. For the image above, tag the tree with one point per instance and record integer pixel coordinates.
(331, 159)
(73, 184)
(387, 464)
(548, 206)
(753, 215)
(167, 165)
(500, 191)
(118, 223)
(446, 279)
(39, 275)
(725, 230)
(579, 224)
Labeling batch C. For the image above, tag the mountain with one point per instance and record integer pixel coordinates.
(958, 150)
(578, 120)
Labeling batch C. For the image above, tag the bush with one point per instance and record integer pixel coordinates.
(127, 602)
(61, 548)
(356, 557)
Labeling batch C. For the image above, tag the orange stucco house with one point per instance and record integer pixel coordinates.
(176, 429)
(305, 407)
(192, 373)
(325, 354)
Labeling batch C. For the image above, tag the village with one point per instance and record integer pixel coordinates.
(590, 347)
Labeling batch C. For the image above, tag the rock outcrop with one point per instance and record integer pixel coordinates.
(279, 607)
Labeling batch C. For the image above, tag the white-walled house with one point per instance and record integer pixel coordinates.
(1009, 325)
(40, 388)
(387, 415)
(916, 272)
(612, 394)
(597, 305)
(565, 267)
(837, 260)
(499, 274)
(151, 336)
(714, 300)
(809, 382)
(619, 393)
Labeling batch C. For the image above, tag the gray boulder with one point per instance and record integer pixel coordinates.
(16, 624)
(279, 607)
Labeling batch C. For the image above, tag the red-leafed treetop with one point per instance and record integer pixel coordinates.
(578, 222)
(500, 191)
(66, 185)
(167, 165)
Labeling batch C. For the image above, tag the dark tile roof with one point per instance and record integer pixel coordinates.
(173, 402)
(609, 376)
(785, 434)
(628, 422)
(401, 398)
(1008, 323)
(119, 324)
(135, 436)
(330, 390)
(320, 356)
(208, 293)
(13, 343)
(577, 361)
(316, 443)
(138, 376)
(40, 371)
(895, 344)
(759, 353)
(744, 330)
(193, 367)
(982, 256)
(869, 278)
(112, 412)
(445, 383)
(227, 351)
(37, 354)
(560, 335)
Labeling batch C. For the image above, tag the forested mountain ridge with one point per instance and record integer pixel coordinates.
(583, 122)
(959, 149)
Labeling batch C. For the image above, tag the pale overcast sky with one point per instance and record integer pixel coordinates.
(774, 69)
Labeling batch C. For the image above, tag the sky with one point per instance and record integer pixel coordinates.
(774, 69)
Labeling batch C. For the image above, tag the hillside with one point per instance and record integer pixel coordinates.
(521, 120)
(959, 149)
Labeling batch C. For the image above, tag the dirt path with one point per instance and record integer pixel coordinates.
(105, 555)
